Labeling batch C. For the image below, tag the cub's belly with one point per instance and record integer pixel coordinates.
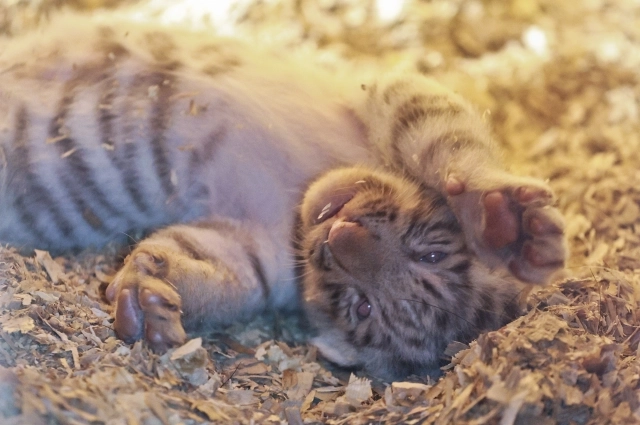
(92, 161)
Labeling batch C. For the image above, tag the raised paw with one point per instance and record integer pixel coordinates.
(147, 305)
(510, 221)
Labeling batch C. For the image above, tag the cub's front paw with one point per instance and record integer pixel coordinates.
(147, 305)
(510, 221)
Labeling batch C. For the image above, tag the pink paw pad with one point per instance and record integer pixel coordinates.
(501, 224)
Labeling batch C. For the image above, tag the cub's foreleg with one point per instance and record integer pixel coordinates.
(433, 135)
(191, 277)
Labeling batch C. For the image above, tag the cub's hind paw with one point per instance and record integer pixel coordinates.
(147, 306)
(510, 221)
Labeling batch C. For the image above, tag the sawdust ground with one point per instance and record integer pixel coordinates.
(560, 82)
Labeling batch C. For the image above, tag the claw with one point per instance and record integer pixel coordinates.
(526, 195)
(112, 290)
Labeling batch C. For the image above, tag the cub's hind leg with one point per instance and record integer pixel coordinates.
(192, 277)
(423, 130)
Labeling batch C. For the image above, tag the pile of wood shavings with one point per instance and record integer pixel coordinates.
(560, 84)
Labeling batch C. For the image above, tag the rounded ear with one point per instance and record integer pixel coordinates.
(333, 348)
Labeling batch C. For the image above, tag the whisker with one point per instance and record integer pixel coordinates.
(135, 242)
(442, 309)
(473, 325)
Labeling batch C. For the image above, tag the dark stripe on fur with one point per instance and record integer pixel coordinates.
(188, 247)
(258, 271)
(393, 90)
(122, 163)
(418, 109)
(387, 325)
(335, 293)
(31, 196)
(106, 115)
(415, 342)
(446, 223)
(159, 124)
(366, 338)
(408, 115)
(484, 317)
(511, 311)
(461, 268)
(75, 174)
(203, 156)
(126, 157)
(421, 230)
(221, 227)
(449, 143)
(431, 288)
(442, 318)
(211, 143)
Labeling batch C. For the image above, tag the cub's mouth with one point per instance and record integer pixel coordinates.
(332, 204)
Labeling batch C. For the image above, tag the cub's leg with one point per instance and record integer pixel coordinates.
(192, 277)
(434, 136)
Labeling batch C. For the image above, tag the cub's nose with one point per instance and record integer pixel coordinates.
(355, 248)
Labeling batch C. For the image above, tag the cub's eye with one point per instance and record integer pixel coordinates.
(363, 309)
(433, 257)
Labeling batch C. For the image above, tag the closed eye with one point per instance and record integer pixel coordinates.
(432, 257)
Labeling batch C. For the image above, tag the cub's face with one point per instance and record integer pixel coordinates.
(388, 279)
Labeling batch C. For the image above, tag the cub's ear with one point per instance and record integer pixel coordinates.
(336, 350)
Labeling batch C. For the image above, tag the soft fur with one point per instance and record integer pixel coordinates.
(111, 127)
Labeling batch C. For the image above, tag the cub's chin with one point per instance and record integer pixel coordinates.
(388, 279)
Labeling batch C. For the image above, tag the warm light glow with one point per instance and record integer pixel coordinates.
(535, 39)
(609, 51)
(389, 10)
(196, 13)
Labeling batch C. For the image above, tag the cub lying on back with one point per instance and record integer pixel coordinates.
(110, 127)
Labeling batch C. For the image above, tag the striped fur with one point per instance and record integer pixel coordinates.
(110, 129)
(424, 286)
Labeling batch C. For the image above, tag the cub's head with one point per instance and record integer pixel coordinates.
(388, 279)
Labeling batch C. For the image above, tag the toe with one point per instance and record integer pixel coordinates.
(162, 335)
(539, 259)
(549, 252)
(163, 327)
(543, 221)
(129, 317)
(526, 195)
(454, 186)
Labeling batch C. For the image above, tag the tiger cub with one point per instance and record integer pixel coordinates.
(109, 127)
(389, 280)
